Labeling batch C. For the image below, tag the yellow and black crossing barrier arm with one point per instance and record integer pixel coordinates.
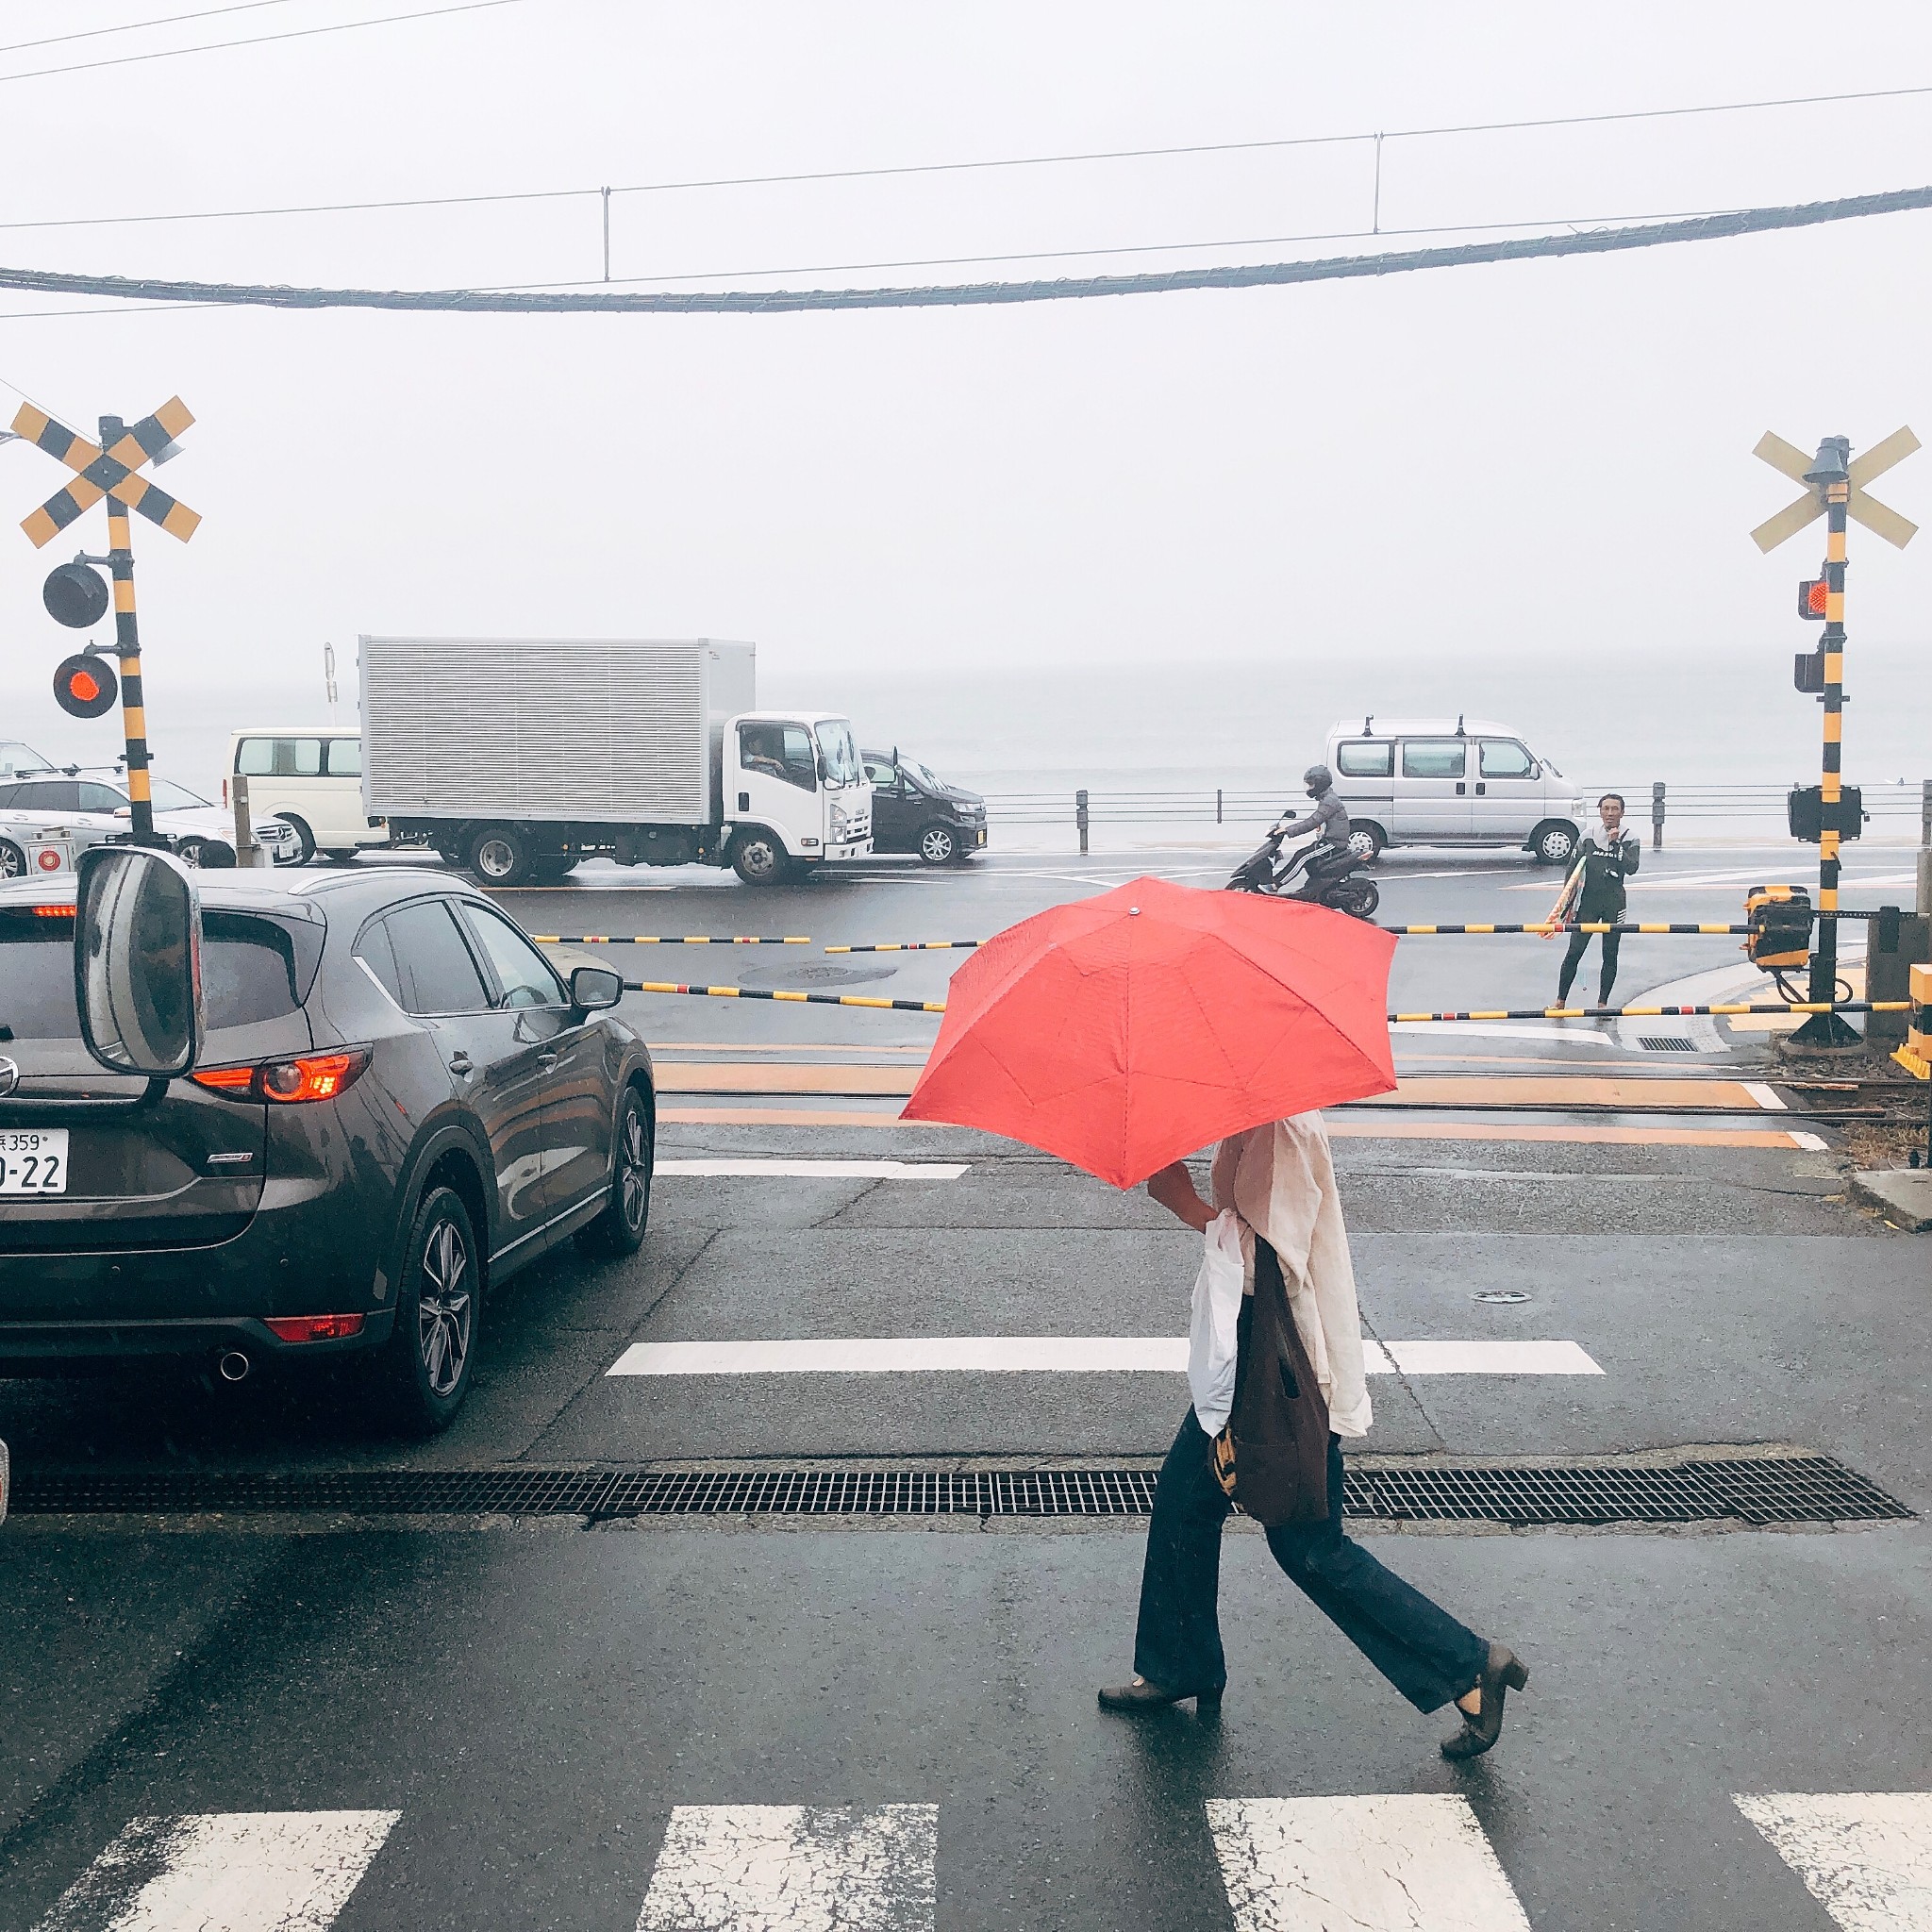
(648, 939)
(1634, 1012)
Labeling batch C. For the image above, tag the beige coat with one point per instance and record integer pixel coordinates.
(1280, 1180)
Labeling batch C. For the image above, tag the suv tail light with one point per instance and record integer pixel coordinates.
(313, 1076)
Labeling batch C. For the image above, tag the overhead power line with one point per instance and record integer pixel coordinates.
(916, 168)
(299, 33)
(135, 27)
(781, 301)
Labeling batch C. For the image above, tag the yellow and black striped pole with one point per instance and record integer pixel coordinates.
(127, 646)
(1831, 473)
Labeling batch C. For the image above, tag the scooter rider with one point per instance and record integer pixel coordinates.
(1329, 817)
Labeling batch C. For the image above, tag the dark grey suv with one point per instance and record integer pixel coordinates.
(397, 1102)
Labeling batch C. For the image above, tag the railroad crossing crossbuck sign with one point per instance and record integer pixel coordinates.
(1875, 516)
(108, 473)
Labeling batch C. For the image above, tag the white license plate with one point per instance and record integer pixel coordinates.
(33, 1161)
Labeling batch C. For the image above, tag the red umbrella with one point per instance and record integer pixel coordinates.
(1126, 1031)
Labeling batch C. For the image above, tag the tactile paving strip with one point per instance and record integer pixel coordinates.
(1753, 1489)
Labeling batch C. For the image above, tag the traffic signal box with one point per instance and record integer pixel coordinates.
(85, 686)
(1808, 667)
(1780, 920)
(1915, 1056)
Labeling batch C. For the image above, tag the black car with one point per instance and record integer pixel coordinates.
(397, 1102)
(914, 811)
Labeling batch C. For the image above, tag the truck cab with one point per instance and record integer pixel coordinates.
(795, 793)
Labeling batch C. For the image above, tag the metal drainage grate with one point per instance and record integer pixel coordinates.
(1666, 1042)
(1754, 1490)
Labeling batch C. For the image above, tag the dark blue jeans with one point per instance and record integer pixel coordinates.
(1420, 1648)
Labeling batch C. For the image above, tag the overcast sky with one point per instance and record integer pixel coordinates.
(1545, 459)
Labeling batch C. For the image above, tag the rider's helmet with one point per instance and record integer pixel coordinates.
(1318, 778)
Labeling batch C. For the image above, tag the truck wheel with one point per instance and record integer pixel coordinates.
(1553, 843)
(1366, 841)
(939, 844)
(502, 855)
(554, 867)
(759, 858)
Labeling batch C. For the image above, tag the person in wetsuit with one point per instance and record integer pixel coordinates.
(1608, 856)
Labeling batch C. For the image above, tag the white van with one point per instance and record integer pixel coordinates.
(311, 777)
(1451, 781)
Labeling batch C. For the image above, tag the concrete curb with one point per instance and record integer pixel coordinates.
(1903, 1195)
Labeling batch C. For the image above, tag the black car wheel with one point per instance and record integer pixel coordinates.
(305, 841)
(426, 1366)
(501, 856)
(12, 860)
(1556, 845)
(620, 1229)
(757, 858)
(938, 844)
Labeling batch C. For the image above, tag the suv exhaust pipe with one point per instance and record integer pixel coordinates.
(233, 1366)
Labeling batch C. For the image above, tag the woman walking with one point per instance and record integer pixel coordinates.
(1280, 1180)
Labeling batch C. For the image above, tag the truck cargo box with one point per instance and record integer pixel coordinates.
(620, 731)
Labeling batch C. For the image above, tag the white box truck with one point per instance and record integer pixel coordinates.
(518, 758)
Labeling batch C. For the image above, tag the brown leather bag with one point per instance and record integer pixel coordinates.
(1272, 1457)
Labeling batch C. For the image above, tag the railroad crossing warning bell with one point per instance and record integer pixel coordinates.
(1830, 811)
(74, 594)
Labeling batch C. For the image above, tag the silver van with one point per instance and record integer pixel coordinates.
(1451, 781)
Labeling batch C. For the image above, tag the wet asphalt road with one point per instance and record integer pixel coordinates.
(533, 1701)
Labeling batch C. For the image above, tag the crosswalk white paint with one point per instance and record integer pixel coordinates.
(1866, 1857)
(794, 1868)
(1061, 1354)
(1380, 1864)
(821, 1170)
(225, 1871)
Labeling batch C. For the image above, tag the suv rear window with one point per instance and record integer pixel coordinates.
(252, 968)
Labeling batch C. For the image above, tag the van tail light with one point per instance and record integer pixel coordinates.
(313, 1327)
(313, 1076)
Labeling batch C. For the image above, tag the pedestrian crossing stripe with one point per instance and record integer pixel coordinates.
(225, 1871)
(1866, 1857)
(107, 472)
(1386, 1861)
(1367, 1862)
(795, 1867)
(1062, 1355)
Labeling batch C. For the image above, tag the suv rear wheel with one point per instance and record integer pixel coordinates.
(939, 844)
(424, 1370)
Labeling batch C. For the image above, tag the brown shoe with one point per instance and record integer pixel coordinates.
(1501, 1673)
(1140, 1695)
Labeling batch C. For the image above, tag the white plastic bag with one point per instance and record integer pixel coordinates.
(1211, 1330)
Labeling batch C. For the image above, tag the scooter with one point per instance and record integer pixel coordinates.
(1320, 874)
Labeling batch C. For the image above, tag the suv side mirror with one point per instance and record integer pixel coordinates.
(137, 960)
(594, 988)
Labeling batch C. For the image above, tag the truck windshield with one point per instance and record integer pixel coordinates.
(842, 754)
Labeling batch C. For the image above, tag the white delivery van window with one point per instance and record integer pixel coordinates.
(279, 758)
(779, 751)
(1363, 759)
(1503, 758)
(345, 757)
(1432, 758)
